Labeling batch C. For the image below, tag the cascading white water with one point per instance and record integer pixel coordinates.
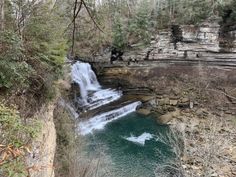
(83, 75)
(130, 143)
(92, 95)
(99, 121)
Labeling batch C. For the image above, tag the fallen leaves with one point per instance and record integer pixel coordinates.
(10, 152)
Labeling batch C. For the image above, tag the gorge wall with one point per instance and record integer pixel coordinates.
(209, 43)
(183, 65)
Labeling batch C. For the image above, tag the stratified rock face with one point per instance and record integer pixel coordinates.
(180, 86)
(40, 161)
(209, 43)
(233, 34)
(197, 43)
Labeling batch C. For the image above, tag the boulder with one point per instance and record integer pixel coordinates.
(164, 119)
(164, 101)
(173, 102)
(144, 111)
(184, 100)
(153, 102)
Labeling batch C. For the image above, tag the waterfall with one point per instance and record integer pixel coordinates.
(91, 94)
(99, 121)
(83, 75)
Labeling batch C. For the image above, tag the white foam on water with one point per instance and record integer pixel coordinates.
(98, 122)
(91, 94)
(140, 139)
(102, 97)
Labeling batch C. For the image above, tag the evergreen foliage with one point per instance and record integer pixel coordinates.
(140, 25)
(13, 67)
(119, 40)
(228, 13)
(30, 47)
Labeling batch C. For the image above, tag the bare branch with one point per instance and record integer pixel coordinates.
(90, 15)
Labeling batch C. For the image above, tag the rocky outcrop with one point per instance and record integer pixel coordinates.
(209, 142)
(164, 119)
(209, 43)
(206, 43)
(175, 86)
(40, 160)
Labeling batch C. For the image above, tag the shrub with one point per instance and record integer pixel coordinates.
(13, 130)
(15, 135)
(44, 38)
(13, 68)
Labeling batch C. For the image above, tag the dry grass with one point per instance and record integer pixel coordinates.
(209, 146)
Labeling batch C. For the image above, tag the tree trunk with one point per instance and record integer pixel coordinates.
(1, 15)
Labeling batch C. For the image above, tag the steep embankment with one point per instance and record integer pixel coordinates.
(41, 159)
(28, 132)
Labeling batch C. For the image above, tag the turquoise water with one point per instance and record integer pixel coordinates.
(127, 158)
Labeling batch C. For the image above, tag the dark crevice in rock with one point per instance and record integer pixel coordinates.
(148, 54)
(176, 35)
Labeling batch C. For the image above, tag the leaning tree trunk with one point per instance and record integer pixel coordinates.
(1, 15)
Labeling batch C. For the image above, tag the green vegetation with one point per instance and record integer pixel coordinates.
(32, 52)
(118, 36)
(13, 130)
(15, 137)
(140, 25)
(125, 23)
(228, 13)
(13, 67)
(32, 44)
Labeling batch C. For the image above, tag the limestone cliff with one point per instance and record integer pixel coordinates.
(209, 43)
(40, 161)
(205, 43)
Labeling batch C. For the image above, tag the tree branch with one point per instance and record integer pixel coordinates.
(90, 15)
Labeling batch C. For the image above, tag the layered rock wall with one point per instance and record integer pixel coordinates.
(197, 43)
(40, 161)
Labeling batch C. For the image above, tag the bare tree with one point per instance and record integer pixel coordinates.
(77, 8)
